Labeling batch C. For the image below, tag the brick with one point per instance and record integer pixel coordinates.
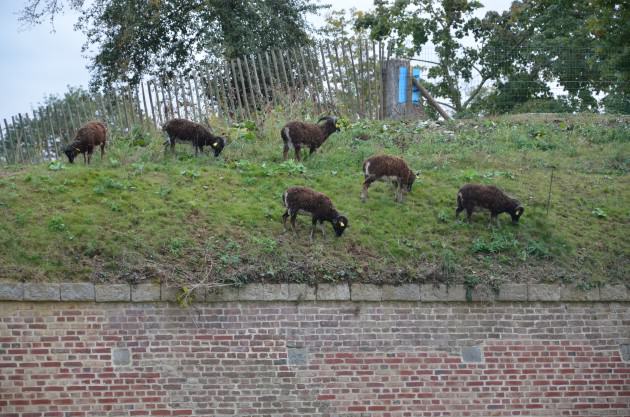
(301, 292)
(333, 292)
(543, 292)
(41, 292)
(432, 292)
(77, 291)
(403, 292)
(573, 293)
(11, 291)
(512, 292)
(145, 292)
(614, 293)
(366, 292)
(112, 292)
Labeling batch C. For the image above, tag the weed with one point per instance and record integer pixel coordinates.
(56, 224)
(599, 213)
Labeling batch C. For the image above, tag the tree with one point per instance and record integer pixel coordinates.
(128, 39)
(410, 24)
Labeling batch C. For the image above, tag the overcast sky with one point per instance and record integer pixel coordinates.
(37, 62)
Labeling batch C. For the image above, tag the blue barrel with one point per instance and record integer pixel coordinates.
(402, 85)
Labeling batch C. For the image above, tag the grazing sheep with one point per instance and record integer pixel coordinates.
(89, 136)
(298, 134)
(489, 197)
(387, 168)
(185, 130)
(304, 200)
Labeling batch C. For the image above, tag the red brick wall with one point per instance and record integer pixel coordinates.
(359, 359)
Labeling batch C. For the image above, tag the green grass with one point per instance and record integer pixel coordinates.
(140, 214)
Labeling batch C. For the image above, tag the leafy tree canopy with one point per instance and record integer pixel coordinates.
(127, 39)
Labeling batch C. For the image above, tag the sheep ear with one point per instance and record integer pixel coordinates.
(342, 224)
(520, 210)
(215, 144)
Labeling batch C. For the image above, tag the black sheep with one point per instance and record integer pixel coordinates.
(489, 197)
(387, 168)
(89, 136)
(185, 130)
(319, 206)
(298, 134)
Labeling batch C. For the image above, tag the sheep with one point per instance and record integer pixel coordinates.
(387, 168)
(307, 201)
(89, 136)
(185, 130)
(489, 197)
(298, 134)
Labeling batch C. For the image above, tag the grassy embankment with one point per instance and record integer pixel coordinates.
(141, 215)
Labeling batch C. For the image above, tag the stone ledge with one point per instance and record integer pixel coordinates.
(150, 292)
(77, 291)
(42, 292)
(11, 291)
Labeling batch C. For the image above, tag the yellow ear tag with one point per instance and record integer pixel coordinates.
(214, 145)
(77, 149)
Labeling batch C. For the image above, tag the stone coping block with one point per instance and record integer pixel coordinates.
(77, 291)
(152, 292)
(403, 292)
(543, 292)
(145, 292)
(366, 292)
(333, 292)
(617, 292)
(34, 291)
(11, 291)
(113, 292)
(512, 292)
(302, 292)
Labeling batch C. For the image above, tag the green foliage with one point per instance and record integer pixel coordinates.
(56, 166)
(132, 38)
(599, 213)
(56, 224)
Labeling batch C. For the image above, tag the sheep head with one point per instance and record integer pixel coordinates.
(71, 151)
(217, 145)
(517, 213)
(332, 121)
(339, 224)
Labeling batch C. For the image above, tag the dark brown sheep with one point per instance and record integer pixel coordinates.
(185, 130)
(489, 197)
(89, 136)
(298, 134)
(319, 206)
(387, 168)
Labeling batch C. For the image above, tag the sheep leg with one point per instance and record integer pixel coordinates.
(293, 217)
(102, 150)
(399, 192)
(469, 213)
(285, 152)
(322, 228)
(366, 184)
(313, 226)
(494, 219)
(298, 152)
(457, 211)
(285, 216)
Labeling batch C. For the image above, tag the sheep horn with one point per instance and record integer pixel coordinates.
(326, 118)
